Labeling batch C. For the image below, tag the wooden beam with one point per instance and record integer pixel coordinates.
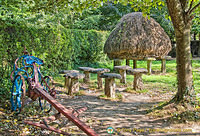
(67, 113)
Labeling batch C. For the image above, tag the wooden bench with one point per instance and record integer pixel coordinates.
(122, 72)
(109, 89)
(137, 72)
(74, 84)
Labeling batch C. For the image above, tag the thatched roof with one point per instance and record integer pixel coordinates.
(137, 37)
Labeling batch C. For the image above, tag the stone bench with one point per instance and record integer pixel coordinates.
(109, 89)
(67, 80)
(86, 71)
(149, 64)
(122, 72)
(74, 83)
(100, 71)
(137, 72)
(163, 62)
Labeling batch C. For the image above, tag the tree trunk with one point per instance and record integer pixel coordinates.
(184, 65)
(182, 24)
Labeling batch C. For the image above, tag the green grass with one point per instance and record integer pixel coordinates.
(131, 90)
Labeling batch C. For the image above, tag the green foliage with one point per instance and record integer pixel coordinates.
(65, 49)
(102, 18)
(5, 86)
(111, 14)
(196, 24)
(162, 17)
(91, 22)
(87, 47)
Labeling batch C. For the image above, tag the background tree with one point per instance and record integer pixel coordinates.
(181, 12)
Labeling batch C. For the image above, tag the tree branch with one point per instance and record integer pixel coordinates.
(190, 6)
(194, 8)
(176, 13)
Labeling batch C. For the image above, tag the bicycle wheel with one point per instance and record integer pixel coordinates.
(47, 85)
(18, 93)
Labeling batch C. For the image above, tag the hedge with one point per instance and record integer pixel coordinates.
(59, 48)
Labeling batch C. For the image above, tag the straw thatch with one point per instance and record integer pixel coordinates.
(137, 37)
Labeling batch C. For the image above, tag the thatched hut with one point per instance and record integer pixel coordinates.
(137, 37)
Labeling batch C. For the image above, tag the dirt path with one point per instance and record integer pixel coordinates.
(127, 117)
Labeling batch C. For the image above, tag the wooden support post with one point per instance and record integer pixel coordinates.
(74, 86)
(110, 87)
(134, 63)
(163, 66)
(127, 62)
(86, 79)
(138, 83)
(123, 74)
(99, 81)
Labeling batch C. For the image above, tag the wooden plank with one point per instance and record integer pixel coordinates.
(67, 113)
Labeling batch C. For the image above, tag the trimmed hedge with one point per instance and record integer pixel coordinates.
(60, 48)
